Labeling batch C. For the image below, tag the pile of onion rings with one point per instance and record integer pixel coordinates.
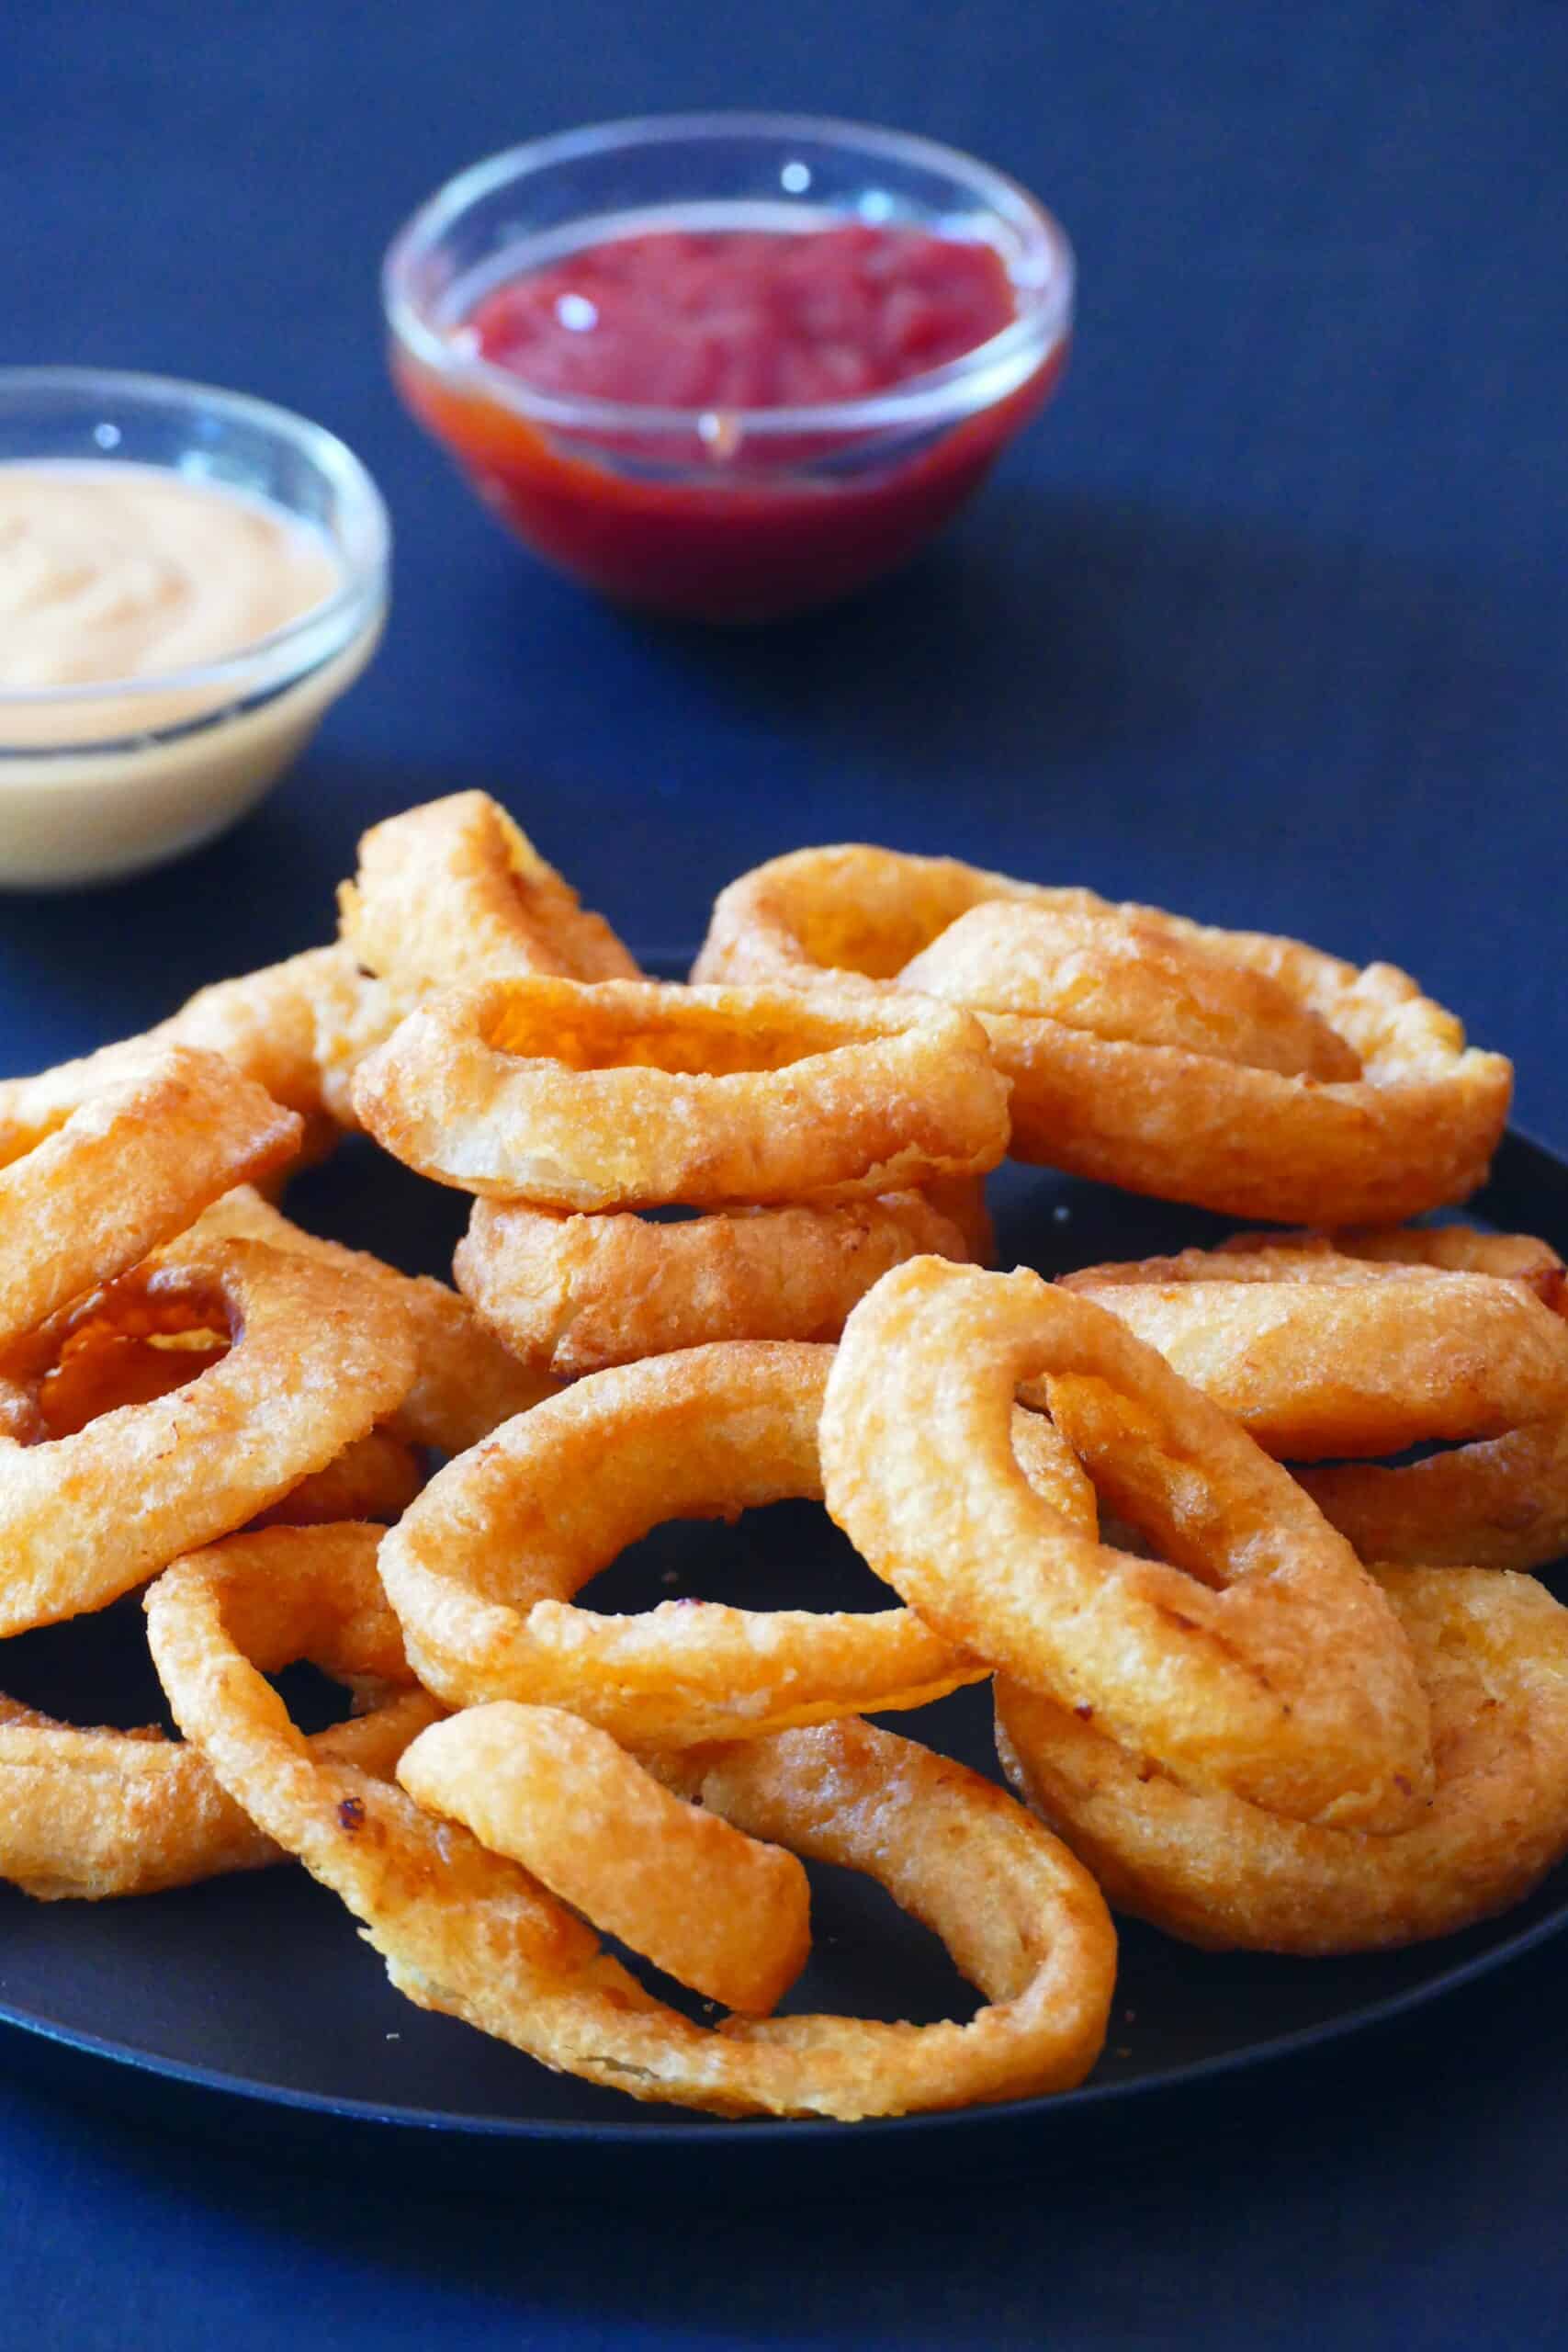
(1221, 1707)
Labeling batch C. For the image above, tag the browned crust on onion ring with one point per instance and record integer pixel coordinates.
(93, 1814)
(1125, 976)
(466, 1382)
(850, 916)
(103, 1369)
(317, 1356)
(483, 1567)
(1266, 1661)
(1323, 1354)
(471, 1934)
(454, 892)
(573, 1294)
(728, 1915)
(1415, 1131)
(1493, 1654)
(1416, 1128)
(265, 1023)
(638, 1093)
(132, 1165)
(1319, 1356)
(1455, 1249)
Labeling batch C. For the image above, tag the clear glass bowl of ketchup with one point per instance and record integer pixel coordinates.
(728, 366)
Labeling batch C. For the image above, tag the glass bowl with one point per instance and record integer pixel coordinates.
(105, 779)
(747, 513)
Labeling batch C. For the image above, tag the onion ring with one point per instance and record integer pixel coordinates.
(1123, 976)
(1493, 1652)
(724, 1913)
(1319, 1353)
(1290, 1683)
(466, 1382)
(635, 1094)
(573, 1294)
(454, 892)
(133, 1165)
(1415, 1130)
(850, 916)
(1454, 1248)
(1405, 1121)
(265, 1023)
(374, 1479)
(317, 1356)
(482, 1568)
(96, 1814)
(471, 1934)
(101, 1369)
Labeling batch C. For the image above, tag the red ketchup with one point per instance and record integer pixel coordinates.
(712, 521)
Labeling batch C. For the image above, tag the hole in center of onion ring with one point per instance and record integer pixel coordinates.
(780, 1555)
(95, 1672)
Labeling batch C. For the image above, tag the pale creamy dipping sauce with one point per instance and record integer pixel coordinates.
(113, 572)
(114, 579)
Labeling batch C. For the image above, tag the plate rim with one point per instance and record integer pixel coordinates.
(1520, 1155)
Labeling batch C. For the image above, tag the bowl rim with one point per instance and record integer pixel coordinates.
(975, 380)
(322, 630)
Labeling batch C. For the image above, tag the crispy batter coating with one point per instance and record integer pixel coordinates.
(728, 1915)
(470, 1933)
(1406, 1122)
(483, 1568)
(1123, 976)
(1264, 1660)
(454, 892)
(1389, 1341)
(1407, 1118)
(266, 1024)
(319, 1355)
(851, 916)
(1492, 1651)
(91, 1814)
(134, 1164)
(638, 1095)
(573, 1294)
(466, 1382)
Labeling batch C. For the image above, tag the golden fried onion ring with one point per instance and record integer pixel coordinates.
(1318, 1355)
(1492, 1651)
(1265, 1662)
(102, 1368)
(1123, 976)
(132, 1165)
(455, 892)
(317, 1356)
(1456, 1249)
(466, 1382)
(573, 1294)
(471, 1934)
(91, 1814)
(638, 1093)
(1322, 1353)
(267, 1025)
(728, 1915)
(850, 916)
(483, 1566)
(1402, 1118)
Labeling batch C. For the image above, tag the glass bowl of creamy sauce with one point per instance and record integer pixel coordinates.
(188, 578)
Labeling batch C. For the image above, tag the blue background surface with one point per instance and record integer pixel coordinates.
(1266, 620)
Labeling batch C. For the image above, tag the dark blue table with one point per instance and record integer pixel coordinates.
(1266, 621)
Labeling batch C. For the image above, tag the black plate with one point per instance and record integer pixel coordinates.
(250, 2006)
